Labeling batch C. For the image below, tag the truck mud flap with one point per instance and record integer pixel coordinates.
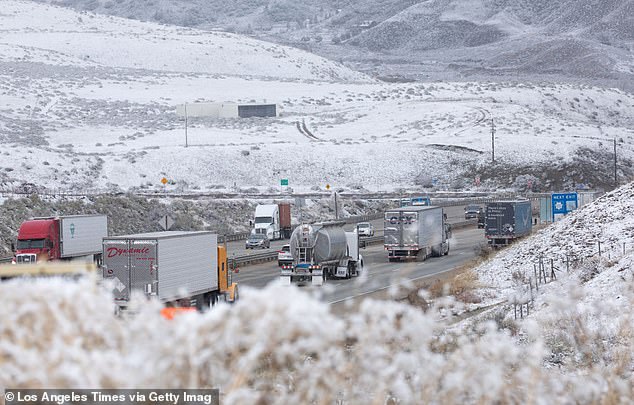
(341, 272)
(285, 280)
(317, 278)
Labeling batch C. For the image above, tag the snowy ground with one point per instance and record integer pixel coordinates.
(607, 222)
(584, 316)
(89, 102)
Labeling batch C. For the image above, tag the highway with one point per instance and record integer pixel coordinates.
(237, 248)
(378, 273)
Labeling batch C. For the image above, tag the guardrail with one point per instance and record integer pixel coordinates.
(6, 259)
(233, 237)
(463, 224)
(242, 260)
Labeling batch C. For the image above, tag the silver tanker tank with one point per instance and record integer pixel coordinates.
(327, 239)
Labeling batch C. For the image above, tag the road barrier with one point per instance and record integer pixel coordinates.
(244, 260)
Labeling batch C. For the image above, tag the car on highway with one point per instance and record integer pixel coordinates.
(258, 240)
(284, 256)
(365, 229)
(471, 211)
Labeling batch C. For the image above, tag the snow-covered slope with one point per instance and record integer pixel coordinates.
(33, 32)
(90, 102)
(602, 230)
(584, 315)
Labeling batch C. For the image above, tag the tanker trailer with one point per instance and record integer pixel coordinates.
(322, 251)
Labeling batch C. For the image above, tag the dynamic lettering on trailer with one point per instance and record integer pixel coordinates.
(115, 251)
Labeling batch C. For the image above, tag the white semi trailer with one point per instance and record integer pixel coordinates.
(415, 232)
(180, 268)
(322, 251)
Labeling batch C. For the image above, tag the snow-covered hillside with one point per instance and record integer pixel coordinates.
(33, 32)
(572, 39)
(89, 102)
(600, 231)
(584, 314)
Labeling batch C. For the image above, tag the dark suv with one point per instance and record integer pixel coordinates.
(471, 211)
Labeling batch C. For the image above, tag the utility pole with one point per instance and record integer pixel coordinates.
(616, 182)
(492, 141)
(185, 124)
(336, 207)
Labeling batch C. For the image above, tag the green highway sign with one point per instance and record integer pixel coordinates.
(284, 182)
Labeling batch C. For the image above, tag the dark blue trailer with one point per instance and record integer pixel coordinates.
(506, 221)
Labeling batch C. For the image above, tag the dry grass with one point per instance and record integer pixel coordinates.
(462, 287)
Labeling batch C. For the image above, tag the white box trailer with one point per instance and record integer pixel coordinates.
(171, 265)
(81, 235)
(415, 231)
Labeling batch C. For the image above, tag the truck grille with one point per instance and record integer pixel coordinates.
(26, 258)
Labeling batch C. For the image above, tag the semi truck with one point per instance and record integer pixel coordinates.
(416, 233)
(321, 251)
(507, 220)
(73, 237)
(274, 220)
(182, 269)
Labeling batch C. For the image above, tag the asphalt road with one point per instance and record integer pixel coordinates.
(236, 248)
(378, 274)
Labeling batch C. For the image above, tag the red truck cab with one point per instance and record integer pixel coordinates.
(38, 240)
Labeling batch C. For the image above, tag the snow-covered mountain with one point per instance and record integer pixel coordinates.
(437, 39)
(89, 101)
(567, 38)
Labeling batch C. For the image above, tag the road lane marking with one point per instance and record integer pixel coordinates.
(388, 286)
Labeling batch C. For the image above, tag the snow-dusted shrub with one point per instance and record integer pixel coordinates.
(589, 269)
(279, 346)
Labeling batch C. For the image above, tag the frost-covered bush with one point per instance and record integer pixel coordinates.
(279, 346)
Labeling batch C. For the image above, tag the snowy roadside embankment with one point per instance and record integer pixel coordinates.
(608, 221)
(584, 314)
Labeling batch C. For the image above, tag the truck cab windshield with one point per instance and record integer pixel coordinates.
(264, 220)
(31, 244)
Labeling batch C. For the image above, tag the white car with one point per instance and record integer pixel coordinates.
(365, 229)
(284, 256)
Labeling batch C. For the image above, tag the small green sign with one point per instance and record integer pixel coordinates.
(284, 182)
